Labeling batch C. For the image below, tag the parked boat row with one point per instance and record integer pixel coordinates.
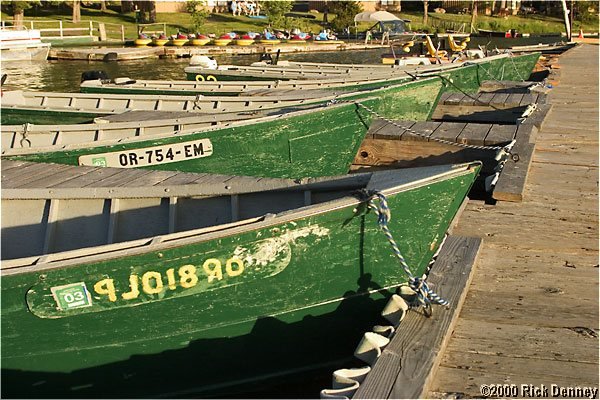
(232, 81)
(178, 245)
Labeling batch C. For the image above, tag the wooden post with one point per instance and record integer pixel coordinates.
(60, 27)
(91, 28)
(122, 33)
(473, 16)
(102, 31)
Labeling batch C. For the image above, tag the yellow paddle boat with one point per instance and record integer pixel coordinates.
(200, 41)
(269, 41)
(244, 42)
(222, 42)
(179, 42)
(160, 41)
(142, 41)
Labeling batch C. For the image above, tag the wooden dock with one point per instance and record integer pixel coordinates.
(137, 53)
(531, 314)
(530, 310)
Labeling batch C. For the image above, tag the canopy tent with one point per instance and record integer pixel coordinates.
(375, 16)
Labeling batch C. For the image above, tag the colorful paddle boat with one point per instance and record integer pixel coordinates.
(142, 40)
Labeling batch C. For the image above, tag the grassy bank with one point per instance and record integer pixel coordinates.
(221, 23)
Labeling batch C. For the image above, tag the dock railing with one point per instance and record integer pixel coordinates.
(64, 29)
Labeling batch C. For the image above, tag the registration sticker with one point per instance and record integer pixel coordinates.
(74, 295)
(148, 156)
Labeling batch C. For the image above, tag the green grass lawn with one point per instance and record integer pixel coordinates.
(221, 23)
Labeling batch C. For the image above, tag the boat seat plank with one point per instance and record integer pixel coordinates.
(515, 98)
(474, 134)
(376, 125)
(12, 178)
(8, 165)
(485, 98)
(511, 182)
(499, 98)
(43, 177)
(395, 131)
(150, 179)
(121, 178)
(451, 98)
(180, 178)
(425, 128)
(448, 131)
(495, 86)
(500, 134)
(407, 365)
(89, 178)
(529, 98)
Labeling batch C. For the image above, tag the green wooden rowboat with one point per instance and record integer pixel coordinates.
(318, 141)
(235, 88)
(19, 107)
(140, 284)
(502, 66)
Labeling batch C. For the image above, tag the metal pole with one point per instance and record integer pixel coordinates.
(566, 15)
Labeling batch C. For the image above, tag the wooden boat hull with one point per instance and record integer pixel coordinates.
(311, 285)
(26, 107)
(295, 72)
(186, 88)
(310, 143)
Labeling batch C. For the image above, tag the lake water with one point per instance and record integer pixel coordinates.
(65, 76)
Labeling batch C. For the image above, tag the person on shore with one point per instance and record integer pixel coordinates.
(234, 7)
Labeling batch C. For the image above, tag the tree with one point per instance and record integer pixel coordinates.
(276, 9)
(148, 7)
(76, 11)
(198, 12)
(17, 8)
(473, 16)
(425, 16)
(126, 6)
(345, 12)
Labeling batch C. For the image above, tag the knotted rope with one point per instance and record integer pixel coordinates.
(424, 295)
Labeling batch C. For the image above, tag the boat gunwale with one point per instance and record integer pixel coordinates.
(168, 241)
(139, 139)
(279, 113)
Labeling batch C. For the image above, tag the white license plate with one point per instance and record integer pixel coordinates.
(148, 156)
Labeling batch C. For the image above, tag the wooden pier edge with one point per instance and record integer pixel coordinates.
(407, 365)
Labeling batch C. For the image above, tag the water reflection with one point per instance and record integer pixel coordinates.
(64, 76)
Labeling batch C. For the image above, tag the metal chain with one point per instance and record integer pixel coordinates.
(24, 133)
(424, 295)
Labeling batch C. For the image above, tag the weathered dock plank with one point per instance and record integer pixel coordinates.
(531, 314)
(405, 368)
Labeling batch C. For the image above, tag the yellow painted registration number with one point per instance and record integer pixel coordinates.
(186, 276)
